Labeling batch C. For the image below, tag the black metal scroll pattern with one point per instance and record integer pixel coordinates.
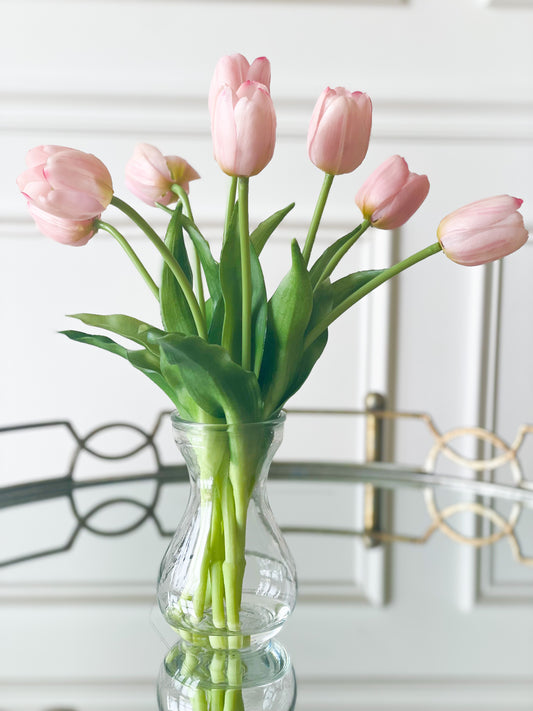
(65, 486)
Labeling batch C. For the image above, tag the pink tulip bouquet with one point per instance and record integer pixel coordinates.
(226, 351)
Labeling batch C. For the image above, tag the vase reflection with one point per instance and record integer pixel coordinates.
(200, 678)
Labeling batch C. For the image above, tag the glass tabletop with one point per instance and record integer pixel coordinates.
(193, 678)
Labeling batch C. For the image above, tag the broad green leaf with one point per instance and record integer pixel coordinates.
(322, 304)
(310, 356)
(175, 310)
(216, 324)
(289, 311)
(208, 262)
(231, 283)
(319, 268)
(264, 230)
(214, 381)
(143, 360)
(349, 285)
(259, 311)
(326, 297)
(125, 326)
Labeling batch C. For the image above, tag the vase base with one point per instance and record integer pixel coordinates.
(193, 678)
(256, 667)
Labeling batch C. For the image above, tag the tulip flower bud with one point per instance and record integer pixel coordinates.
(391, 194)
(233, 70)
(339, 131)
(483, 231)
(72, 232)
(244, 129)
(65, 182)
(150, 175)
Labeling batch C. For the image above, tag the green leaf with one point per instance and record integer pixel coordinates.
(143, 360)
(208, 262)
(307, 362)
(231, 283)
(259, 311)
(216, 324)
(289, 311)
(126, 326)
(346, 286)
(319, 268)
(175, 310)
(322, 304)
(264, 230)
(214, 381)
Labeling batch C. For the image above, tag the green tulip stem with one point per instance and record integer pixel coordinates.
(166, 209)
(233, 565)
(356, 233)
(131, 254)
(246, 275)
(169, 260)
(182, 194)
(231, 204)
(385, 275)
(317, 216)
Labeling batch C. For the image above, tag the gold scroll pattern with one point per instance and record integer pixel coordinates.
(504, 527)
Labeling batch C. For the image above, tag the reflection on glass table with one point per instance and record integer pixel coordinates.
(478, 482)
(196, 678)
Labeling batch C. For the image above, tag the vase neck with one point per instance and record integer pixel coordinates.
(243, 451)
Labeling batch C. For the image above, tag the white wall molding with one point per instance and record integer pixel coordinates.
(508, 3)
(20, 225)
(487, 583)
(143, 113)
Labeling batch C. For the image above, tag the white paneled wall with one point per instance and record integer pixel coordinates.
(452, 88)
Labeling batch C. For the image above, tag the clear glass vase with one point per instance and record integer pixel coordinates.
(227, 579)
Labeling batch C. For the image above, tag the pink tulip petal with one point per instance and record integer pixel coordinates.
(339, 131)
(181, 172)
(150, 175)
(224, 130)
(381, 186)
(316, 117)
(150, 162)
(31, 178)
(482, 212)
(404, 204)
(70, 205)
(39, 155)
(467, 238)
(259, 71)
(328, 146)
(80, 172)
(71, 232)
(230, 71)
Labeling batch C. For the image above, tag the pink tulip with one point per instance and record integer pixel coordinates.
(339, 131)
(483, 231)
(66, 183)
(73, 232)
(244, 129)
(150, 175)
(233, 70)
(391, 194)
